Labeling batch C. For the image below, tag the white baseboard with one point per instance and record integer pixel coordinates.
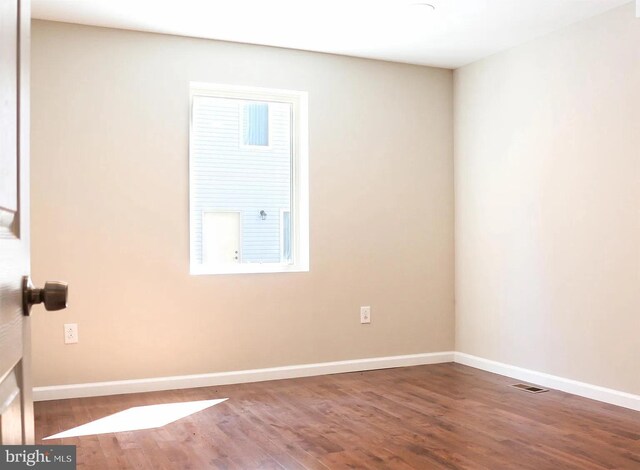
(58, 392)
(595, 392)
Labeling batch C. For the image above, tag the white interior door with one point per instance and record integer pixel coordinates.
(16, 407)
(221, 237)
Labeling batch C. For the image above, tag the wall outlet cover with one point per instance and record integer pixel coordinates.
(365, 314)
(70, 333)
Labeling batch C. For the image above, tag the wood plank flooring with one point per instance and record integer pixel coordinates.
(444, 416)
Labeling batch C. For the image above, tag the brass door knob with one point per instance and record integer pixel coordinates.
(54, 296)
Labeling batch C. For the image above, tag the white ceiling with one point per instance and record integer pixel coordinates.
(456, 33)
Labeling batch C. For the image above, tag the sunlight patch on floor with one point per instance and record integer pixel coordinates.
(139, 417)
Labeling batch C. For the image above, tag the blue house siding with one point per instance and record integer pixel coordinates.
(229, 176)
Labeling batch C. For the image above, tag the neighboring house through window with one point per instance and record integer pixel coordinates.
(248, 180)
(255, 120)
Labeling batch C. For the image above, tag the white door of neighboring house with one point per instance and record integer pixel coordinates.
(16, 407)
(221, 237)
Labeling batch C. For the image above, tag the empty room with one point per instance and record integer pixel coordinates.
(371, 234)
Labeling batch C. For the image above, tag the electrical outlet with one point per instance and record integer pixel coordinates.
(70, 333)
(365, 314)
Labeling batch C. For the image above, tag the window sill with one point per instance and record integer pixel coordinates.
(248, 268)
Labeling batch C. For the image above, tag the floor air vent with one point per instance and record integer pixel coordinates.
(529, 388)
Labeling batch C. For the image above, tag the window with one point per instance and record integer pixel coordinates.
(255, 124)
(248, 180)
(285, 236)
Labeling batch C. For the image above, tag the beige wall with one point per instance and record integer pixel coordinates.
(110, 200)
(547, 187)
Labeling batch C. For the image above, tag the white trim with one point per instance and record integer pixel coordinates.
(595, 392)
(242, 92)
(300, 209)
(58, 392)
(246, 268)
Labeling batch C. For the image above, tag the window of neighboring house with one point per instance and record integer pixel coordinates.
(248, 180)
(285, 236)
(255, 124)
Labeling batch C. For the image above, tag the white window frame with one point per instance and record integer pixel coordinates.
(299, 176)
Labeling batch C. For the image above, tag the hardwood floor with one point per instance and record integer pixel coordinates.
(445, 416)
